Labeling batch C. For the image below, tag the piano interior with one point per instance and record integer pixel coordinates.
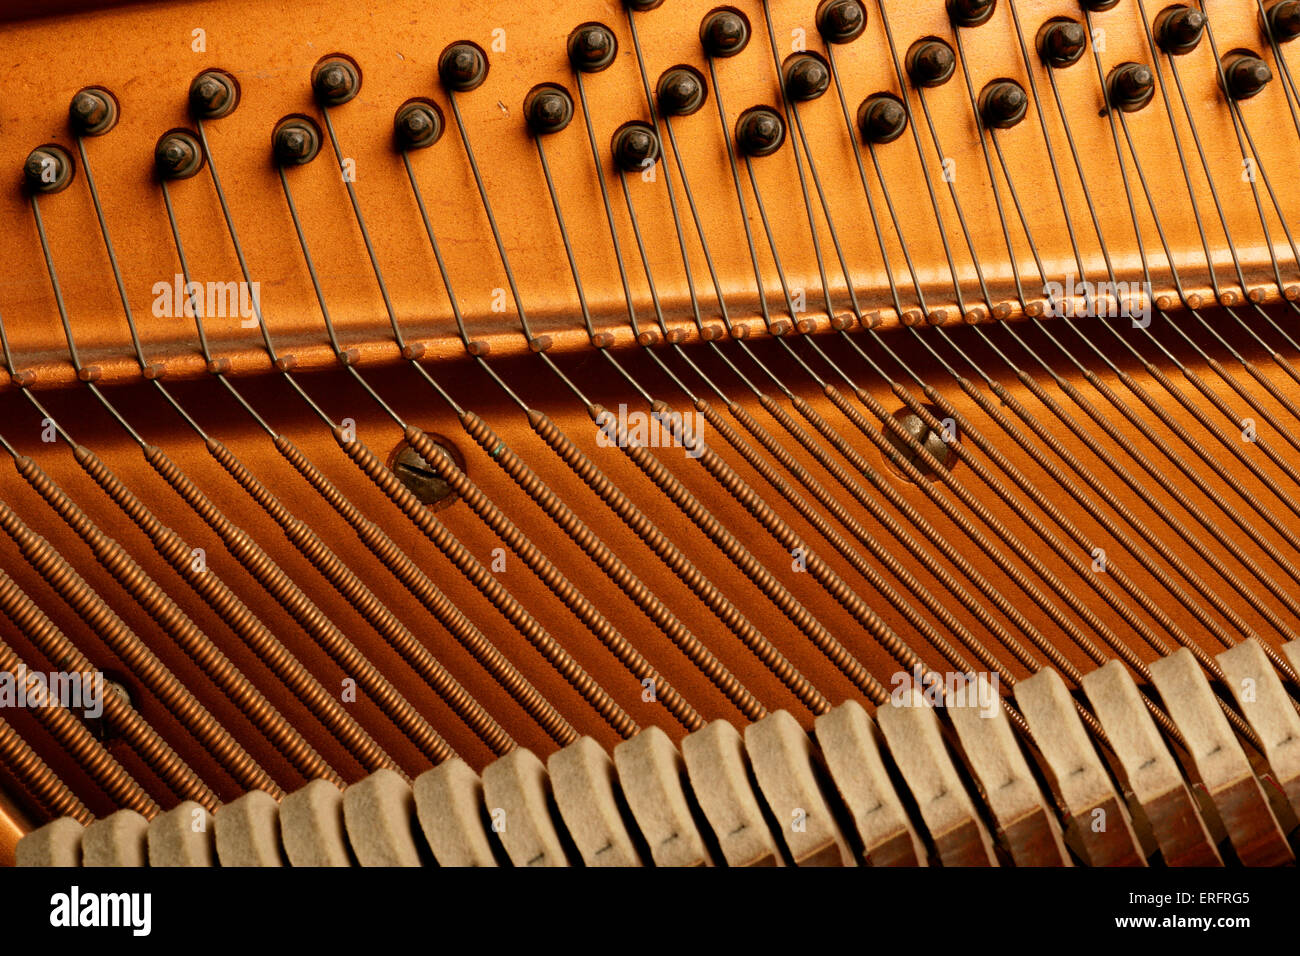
(650, 433)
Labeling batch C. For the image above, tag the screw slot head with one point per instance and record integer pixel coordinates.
(213, 94)
(1062, 42)
(1003, 104)
(681, 91)
(971, 13)
(423, 481)
(882, 118)
(93, 112)
(724, 32)
(1130, 86)
(48, 169)
(841, 21)
(462, 66)
(635, 147)
(931, 62)
(335, 80)
(548, 109)
(295, 141)
(931, 441)
(1179, 29)
(417, 124)
(760, 131)
(99, 726)
(1244, 74)
(178, 154)
(806, 76)
(592, 47)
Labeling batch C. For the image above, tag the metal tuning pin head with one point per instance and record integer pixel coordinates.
(635, 147)
(681, 91)
(1244, 74)
(760, 131)
(1283, 20)
(1130, 86)
(806, 76)
(1179, 29)
(213, 94)
(178, 154)
(1062, 42)
(931, 62)
(335, 80)
(1003, 104)
(93, 112)
(882, 118)
(295, 141)
(417, 124)
(548, 108)
(48, 169)
(841, 21)
(462, 67)
(1097, 6)
(971, 13)
(724, 32)
(592, 47)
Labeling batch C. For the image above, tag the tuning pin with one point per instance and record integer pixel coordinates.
(841, 21)
(463, 67)
(295, 141)
(1062, 42)
(643, 6)
(1245, 74)
(93, 112)
(1097, 6)
(931, 62)
(724, 32)
(1179, 29)
(1283, 20)
(881, 118)
(592, 47)
(417, 124)
(213, 94)
(548, 109)
(1003, 104)
(971, 13)
(760, 131)
(806, 76)
(635, 147)
(681, 91)
(48, 169)
(178, 155)
(1130, 86)
(335, 80)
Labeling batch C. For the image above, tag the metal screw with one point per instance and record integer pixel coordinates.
(929, 439)
(422, 480)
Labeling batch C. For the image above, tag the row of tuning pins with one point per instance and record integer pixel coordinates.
(724, 32)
